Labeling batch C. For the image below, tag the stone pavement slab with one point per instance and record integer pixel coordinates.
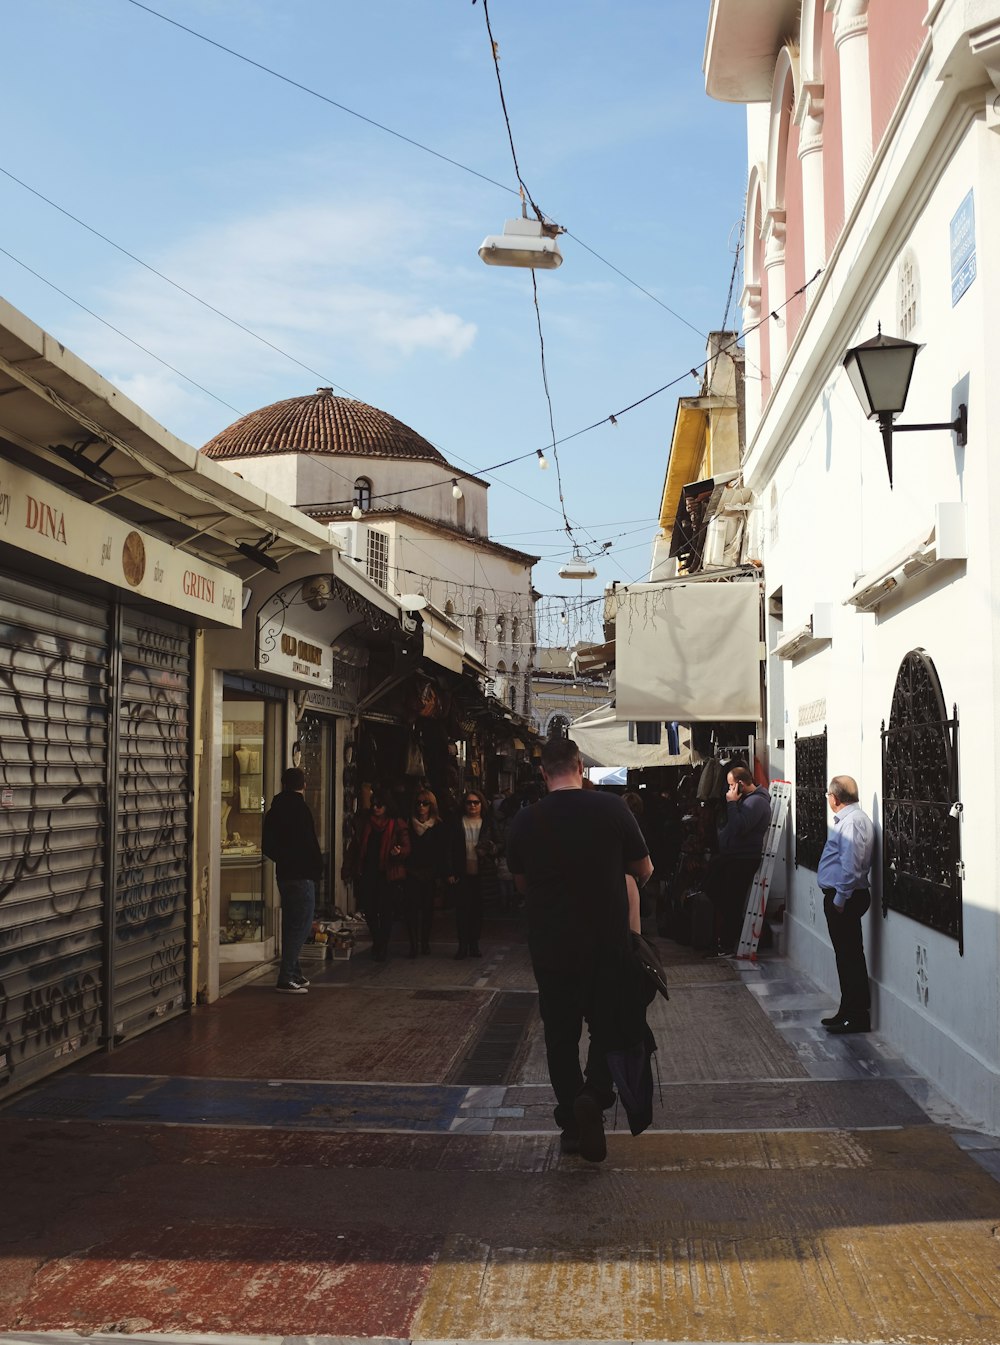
(873, 1236)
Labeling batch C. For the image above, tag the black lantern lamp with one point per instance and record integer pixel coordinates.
(880, 371)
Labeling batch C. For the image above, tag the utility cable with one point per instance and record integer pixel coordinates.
(409, 140)
(118, 332)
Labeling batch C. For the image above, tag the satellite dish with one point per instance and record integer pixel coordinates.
(412, 602)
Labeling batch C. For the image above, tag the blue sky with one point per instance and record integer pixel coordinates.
(355, 253)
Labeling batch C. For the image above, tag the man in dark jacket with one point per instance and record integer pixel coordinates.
(289, 839)
(569, 854)
(741, 840)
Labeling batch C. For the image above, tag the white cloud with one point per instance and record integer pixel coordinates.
(319, 281)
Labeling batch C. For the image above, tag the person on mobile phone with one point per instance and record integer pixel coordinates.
(741, 840)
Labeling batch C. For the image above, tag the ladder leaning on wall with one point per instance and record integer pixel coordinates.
(760, 888)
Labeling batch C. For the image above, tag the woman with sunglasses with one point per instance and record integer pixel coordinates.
(474, 846)
(378, 866)
(427, 867)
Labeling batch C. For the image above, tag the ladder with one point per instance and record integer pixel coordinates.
(760, 888)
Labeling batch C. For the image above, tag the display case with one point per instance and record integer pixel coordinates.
(246, 906)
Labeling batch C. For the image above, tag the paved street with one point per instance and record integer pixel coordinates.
(377, 1159)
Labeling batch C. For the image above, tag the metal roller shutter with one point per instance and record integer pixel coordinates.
(53, 773)
(153, 868)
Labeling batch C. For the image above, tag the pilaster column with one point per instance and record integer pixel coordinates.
(809, 118)
(752, 392)
(850, 32)
(774, 266)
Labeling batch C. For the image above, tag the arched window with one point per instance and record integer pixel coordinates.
(515, 674)
(480, 623)
(921, 849)
(363, 493)
(515, 631)
(558, 726)
(501, 628)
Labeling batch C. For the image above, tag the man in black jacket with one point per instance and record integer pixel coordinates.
(569, 854)
(289, 838)
(741, 840)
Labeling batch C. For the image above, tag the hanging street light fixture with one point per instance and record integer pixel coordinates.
(880, 371)
(526, 243)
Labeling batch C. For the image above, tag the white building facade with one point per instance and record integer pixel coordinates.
(874, 187)
(409, 520)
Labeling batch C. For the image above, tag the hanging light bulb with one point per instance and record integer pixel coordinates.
(456, 490)
(564, 619)
(357, 513)
(543, 461)
(778, 322)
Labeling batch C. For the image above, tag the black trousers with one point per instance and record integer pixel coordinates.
(468, 911)
(418, 907)
(567, 1000)
(377, 899)
(849, 950)
(727, 882)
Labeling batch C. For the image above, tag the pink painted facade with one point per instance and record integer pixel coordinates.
(895, 34)
(833, 153)
(836, 62)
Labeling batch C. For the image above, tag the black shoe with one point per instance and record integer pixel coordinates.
(838, 1017)
(848, 1026)
(292, 988)
(590, 1121)
(569, 1142)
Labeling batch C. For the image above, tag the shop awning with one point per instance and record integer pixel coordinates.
(689, 651)
(444, 642)
(606, 741)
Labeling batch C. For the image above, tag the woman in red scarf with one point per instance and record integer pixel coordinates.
(379, 870)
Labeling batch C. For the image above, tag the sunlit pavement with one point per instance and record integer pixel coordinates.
(377, 1159)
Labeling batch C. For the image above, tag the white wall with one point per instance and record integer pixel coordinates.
(320, 478)
(839, 517)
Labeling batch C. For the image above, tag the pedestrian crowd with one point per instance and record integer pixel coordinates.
(577, 857)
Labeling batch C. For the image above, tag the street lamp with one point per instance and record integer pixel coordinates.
(524, 242)
(880, 371)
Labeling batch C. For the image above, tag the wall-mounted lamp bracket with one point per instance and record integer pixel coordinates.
(959, 428)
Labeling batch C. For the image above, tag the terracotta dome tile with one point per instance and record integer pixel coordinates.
(320, 423)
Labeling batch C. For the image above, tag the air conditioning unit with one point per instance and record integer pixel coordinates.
(349, 540)
(945, 542)
(804, 639)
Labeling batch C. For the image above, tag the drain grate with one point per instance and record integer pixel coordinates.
(496, 1050)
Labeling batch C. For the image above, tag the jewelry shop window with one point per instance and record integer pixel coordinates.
(247, 898)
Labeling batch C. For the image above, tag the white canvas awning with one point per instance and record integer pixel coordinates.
(604, 741)
(444, 642)
(689, 652)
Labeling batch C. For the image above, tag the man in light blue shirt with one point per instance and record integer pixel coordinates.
(843, 875)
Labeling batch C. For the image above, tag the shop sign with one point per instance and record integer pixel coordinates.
(37, 516)
(342, 698)
(963, 248)
(288, 652)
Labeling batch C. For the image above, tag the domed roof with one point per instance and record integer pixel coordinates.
(320, 423)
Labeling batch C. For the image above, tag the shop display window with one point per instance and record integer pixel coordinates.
(246, 911)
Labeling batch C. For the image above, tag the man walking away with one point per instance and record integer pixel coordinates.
(289, 839)
(569, 855)
(741, 840)
(844, 877)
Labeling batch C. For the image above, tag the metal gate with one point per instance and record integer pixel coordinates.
(149, 951)
(53, 781)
